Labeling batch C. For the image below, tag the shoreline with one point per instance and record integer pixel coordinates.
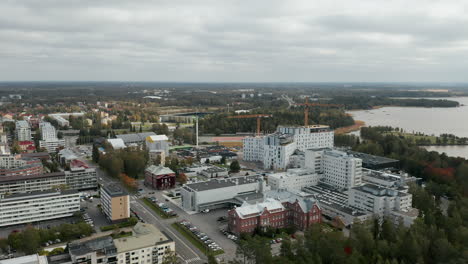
(345, 130)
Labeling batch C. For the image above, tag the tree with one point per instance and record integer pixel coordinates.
(95, 153)
(170, 257)
(212, 259)
(235, 166)
(223, 160)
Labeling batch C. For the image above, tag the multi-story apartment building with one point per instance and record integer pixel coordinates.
(336, 168)
(275, 213)
(31, 183)
(23, 130)
(147, 244)
(115, 202)
(11, 165)
(80, 178)
(49, 139)
(75, 179)
(253, 148)
(47, 131)
(293, 179)
(217, 193)
(275, 150)
(98, 250)
(382, 201)
(307, 137)
(37, 206)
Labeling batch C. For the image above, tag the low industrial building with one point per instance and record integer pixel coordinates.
(136, 138)
(218, 193)
(38, 206)
(215, 172)
(116, 143)
(159, 177)
(157, 143)
(115, 202)
(182, 117)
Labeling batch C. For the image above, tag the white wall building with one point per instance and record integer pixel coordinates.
(315, 136)
(293, 179)
(37, 206)
(253, 148)
(217, 192)
(383, 201)
(49, 138)
(275, 150)
(23, 130)
(47, 131)
(338, 168)
(146, 245)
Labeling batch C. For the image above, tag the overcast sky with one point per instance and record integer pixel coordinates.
(220, 40)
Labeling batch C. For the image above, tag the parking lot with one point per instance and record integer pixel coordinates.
(94, 212)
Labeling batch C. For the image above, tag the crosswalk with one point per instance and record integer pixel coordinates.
(193, 260)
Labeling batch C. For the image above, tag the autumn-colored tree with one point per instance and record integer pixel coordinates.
(130, 182)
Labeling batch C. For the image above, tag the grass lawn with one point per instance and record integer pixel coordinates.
(155, 208)
(194, 240)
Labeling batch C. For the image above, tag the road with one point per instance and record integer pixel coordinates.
(186, 251)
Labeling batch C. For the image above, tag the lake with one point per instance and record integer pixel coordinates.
(431, 121)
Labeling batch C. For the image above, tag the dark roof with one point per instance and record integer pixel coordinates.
(221, 183)
(136, 137)
(37, 194)
(104, 244)
(114, 190)
(30, 177)
(372, 161)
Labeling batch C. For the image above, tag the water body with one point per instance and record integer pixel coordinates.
(431, 121)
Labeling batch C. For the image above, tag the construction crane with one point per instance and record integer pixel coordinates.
(306, 109)
(258, 116)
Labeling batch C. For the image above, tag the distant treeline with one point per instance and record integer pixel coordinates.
(368, 102)
(220, 124)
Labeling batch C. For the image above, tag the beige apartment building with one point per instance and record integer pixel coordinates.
(115, 202)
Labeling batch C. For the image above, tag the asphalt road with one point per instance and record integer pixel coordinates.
(187, 252)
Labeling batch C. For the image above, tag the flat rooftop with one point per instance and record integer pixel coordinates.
(114, 190)
(372, 160)
(16, 178)
(221, 183)
(35, 195)
(143, 236)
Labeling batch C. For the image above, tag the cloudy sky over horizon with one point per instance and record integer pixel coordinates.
(222, 40)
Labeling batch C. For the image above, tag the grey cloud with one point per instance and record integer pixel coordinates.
(232, 40)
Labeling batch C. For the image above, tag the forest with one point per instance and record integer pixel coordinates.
(220, 124)
(369, 102)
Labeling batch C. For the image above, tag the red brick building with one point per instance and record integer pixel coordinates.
(27, 146)
(160, 178)
(301, 213)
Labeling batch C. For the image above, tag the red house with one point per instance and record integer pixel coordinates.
(159, 177)
(301, 213)
(27, 146)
